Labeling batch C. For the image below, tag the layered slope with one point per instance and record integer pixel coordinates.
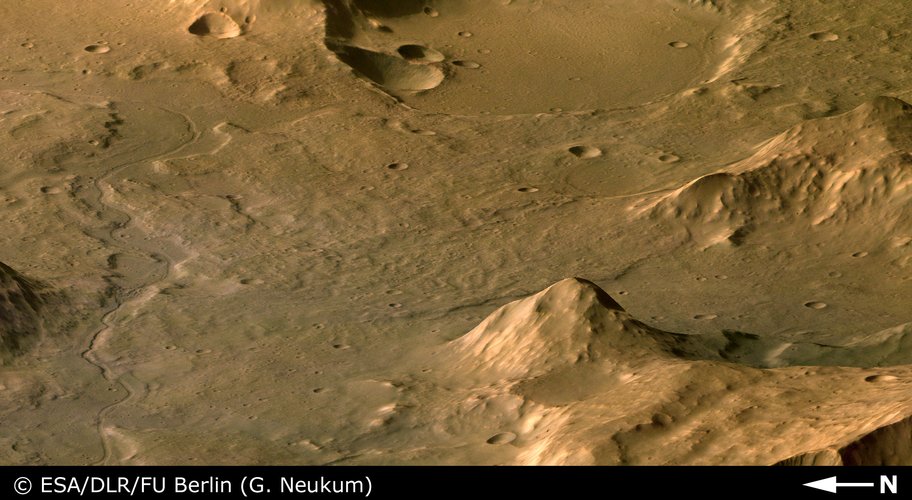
(848, 171)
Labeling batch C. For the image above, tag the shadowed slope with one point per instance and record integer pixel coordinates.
(22, 303)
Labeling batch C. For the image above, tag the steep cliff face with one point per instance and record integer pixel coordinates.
(887, 445)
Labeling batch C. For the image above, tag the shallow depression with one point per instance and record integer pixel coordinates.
(615, 53)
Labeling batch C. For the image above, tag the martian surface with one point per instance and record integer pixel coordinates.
(613, 232)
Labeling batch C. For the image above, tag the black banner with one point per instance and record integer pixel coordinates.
(772, 483)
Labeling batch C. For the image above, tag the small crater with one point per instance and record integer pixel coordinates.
(679, 44)
(860, 254)
(430, 11)
(705, 316)
(502, 438)
(824, 36)
(669, 158)
(341, 346)
(97, 49)
(465, 34)
(466, 64)
(881, 378)
(662, 420)
(388, 71)
(585, 152)
(397, 166)
(395, 305)
(216, 25)
(527, 190)
(419, 53)
(815, 305)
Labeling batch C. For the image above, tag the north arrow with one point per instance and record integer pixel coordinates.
(831, 485)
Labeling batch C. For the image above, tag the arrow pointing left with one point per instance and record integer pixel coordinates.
(831, 485)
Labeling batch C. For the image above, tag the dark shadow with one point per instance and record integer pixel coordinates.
(21, 306)
(391, 8)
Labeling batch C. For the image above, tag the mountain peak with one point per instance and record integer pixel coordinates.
(572, 321)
